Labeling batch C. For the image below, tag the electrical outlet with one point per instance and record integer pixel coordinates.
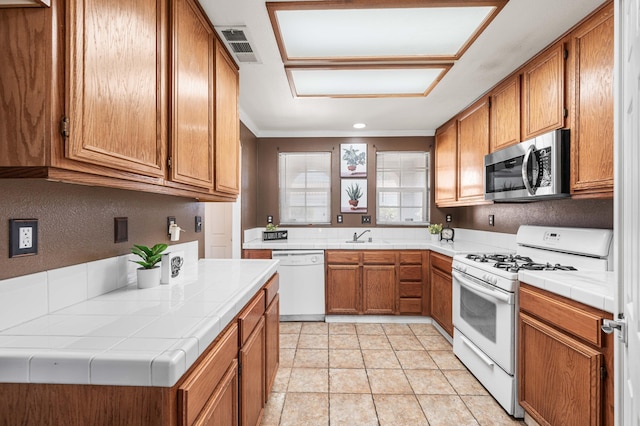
(198, 223)
(170, 220)
(339, 218)
(448, 218)
(269, 219)
(23, 237)
(366, 219)
(120, 229)
(491, 220)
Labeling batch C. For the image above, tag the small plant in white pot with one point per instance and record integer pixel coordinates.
(434, 231)
(149, 274)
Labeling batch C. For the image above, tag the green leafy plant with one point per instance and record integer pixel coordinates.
(271, 227)
(353, 157)
(150, 256)
(354, 191)
(435, 228)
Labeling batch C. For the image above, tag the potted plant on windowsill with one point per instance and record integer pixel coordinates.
(149, 274)
(354, 158)
(434, 231)
(354, 192)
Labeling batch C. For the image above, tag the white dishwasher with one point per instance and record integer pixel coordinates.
(301, 284)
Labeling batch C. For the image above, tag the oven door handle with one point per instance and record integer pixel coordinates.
(478, 289)
(525, 166)
(476, 351)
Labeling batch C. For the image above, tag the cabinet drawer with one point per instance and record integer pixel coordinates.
(410, 289)
(410, 258)
(379, 257)
(250, 317)
(271, 289)
(410, 272)
(441, 262)
(583, 323)
(410, 306)
(196, 390)
(345, 257)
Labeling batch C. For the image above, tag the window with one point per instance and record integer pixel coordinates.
(305, 187)
(402, 187)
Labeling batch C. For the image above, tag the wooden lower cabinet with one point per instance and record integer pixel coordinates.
(272, 344)
(256, 254)
(565, 361)
(379, 289)
(343, 289)
(222, 408)
(252, 376)
(441, 291)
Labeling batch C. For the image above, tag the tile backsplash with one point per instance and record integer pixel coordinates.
(31, 296)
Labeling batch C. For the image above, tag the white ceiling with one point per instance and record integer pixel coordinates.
(268, 108)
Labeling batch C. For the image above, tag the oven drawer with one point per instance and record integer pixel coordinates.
(580, 320)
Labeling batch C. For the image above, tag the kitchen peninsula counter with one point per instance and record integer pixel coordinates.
(131, 336)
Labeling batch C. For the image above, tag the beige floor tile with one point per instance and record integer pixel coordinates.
(308, 409)
(286, 357)
(380, 358)
(281, 382)
(313, 358)
(309, 380)
(464, 382)
(352, 410)
(369, 329)
(446, 360)
(273, 409)
(395, 410)
(446, 410)
(405, 343)
(388, 381)
(348, 380)
(429, 382)
(342, 328)
(397, 329)
(345, 358)
(313, 341)
(424, 329)
(435, 343)
(289, 341)
(343, 341)
(315, 328)
(416, 360)
(488, 412)
(290, 327)
(374, 341)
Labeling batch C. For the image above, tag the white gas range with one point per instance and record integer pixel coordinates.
(485, 298)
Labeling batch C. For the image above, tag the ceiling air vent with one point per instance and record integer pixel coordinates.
(238, 42)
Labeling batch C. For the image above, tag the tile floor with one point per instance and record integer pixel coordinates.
(374, 374)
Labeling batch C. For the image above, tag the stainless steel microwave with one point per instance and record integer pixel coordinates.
(534, 169)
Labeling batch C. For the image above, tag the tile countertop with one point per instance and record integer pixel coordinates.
(593, 288)
(131, 336)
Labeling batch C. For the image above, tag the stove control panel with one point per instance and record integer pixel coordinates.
(551, 236)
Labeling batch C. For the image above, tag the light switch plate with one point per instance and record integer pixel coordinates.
(23, 237)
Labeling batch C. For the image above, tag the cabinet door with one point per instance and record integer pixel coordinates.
(559, 377)
(446, 164)
(222, 408)
(192, 65)
(473, 145)
(272, 343)
(343, 289)
(227, 123)
(441, 303)
(543, 92)
(252, 377)
(592, 133)
(115, 81)
(256, 254)
(379, 289)
(504, 114)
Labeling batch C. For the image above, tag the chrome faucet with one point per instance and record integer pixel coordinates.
(356, 236)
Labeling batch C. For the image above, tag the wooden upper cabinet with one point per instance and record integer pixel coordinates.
(227, 123)
(192, 113)
(446, 159)
(504, 114)
(115, 84)
(592, 131)
(473, 145)
(543, 105)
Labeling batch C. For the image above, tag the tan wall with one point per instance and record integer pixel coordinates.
(75, 222)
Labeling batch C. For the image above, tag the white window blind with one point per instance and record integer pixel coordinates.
(402, 187)
(305, 187)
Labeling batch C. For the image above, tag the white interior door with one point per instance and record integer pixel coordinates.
(627, 206)
(218, 220)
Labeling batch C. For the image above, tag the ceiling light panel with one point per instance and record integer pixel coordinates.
(385, 82)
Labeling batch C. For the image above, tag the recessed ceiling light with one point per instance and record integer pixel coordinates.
(359, 126)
